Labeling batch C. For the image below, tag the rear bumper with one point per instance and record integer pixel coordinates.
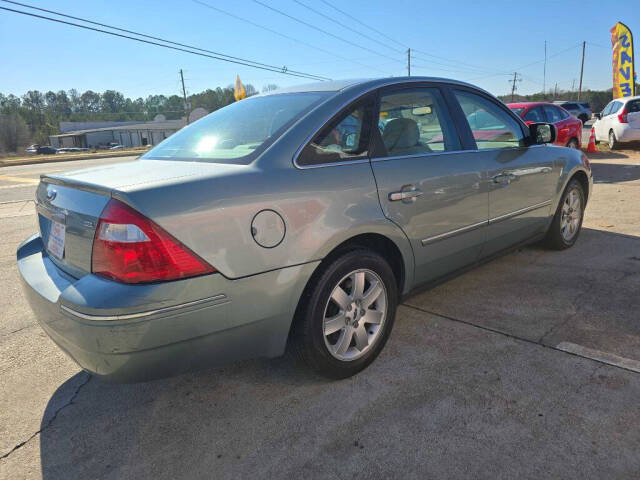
(129, 333)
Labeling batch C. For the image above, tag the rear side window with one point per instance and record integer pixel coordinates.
(343, 139)
(534, 115)
(552, 113)
(414, 121)
(491, 126)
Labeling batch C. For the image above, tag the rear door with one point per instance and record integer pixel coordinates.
(427, 184)
(521, 179)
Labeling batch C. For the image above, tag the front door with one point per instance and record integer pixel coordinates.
(522, 179)
(435, 191)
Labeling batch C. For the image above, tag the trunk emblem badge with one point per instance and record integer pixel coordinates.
(51, 194)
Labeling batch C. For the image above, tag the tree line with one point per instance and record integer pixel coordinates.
(32, 117)
(597, 99)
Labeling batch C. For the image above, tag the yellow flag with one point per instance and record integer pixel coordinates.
(623, 71)
(239, 92)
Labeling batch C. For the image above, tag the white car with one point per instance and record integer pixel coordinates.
(619, 122)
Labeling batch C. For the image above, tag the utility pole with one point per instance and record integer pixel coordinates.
(184, 95)
(584, 44)
(409, 61)
(544, 75)
(555, 91)
(513, 82)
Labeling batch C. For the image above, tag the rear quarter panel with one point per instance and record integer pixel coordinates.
(321, 208)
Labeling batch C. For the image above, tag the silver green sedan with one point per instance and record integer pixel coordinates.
(295, 219)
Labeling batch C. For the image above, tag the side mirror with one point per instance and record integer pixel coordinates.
(542, 133)
(597, 116)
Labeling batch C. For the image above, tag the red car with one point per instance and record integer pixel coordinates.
(569, 128)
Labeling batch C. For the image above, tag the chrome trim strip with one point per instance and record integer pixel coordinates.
(519, 212)
(147, 313)
(451, 233)
(417, 155)
(332, 164)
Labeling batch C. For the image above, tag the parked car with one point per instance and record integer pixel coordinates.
(32, 149)
(580, 110)
(116, 147)
(569, 129)
(229, 240)
(45, 150)
(72, 150)
(619, 122)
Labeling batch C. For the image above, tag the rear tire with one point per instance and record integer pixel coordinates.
(567, 221)
(346, 314)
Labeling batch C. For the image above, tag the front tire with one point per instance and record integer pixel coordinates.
(346, 314)
(567, 221)
(613, 141)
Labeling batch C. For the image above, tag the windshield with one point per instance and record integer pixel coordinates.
(517, 110)
(237, 132)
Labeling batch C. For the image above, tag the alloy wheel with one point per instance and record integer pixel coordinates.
(571, 215)
(355, 314)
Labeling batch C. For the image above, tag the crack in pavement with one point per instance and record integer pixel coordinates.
(51, 420)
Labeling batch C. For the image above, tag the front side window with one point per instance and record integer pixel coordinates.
(237, 132)
(344, 138)
(534, 115)
(491, 126)
(606, 110)
(414, 121)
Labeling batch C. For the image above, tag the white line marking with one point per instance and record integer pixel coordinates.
(604, 357)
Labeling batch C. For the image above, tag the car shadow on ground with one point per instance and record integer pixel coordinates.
(85, 412)
(93, 429)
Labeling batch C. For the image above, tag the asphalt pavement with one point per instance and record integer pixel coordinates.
(526, 367)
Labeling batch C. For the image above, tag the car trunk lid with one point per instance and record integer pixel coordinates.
(69, 205)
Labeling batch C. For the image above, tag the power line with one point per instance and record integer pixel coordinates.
(317, 12)
(232, 15)
(456, 62)
(363, 24)
(295, 19)
(214, 55)
(135, 33)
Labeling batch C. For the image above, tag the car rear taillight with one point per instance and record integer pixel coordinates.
(130, 248)
(622, 116)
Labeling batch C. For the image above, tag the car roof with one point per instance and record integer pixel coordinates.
(364, 84)
(527, 104)
(627, 99)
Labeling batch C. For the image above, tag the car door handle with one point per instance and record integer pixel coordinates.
(504, 178)
(405, 195)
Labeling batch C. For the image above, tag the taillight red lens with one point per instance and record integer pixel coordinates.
(622, 116)
(130, 248)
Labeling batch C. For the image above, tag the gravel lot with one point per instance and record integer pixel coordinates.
(528, 366)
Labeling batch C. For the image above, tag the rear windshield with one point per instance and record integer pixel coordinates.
(238, 132)
(517, 110)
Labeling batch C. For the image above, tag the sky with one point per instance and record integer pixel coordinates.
(480, 42)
